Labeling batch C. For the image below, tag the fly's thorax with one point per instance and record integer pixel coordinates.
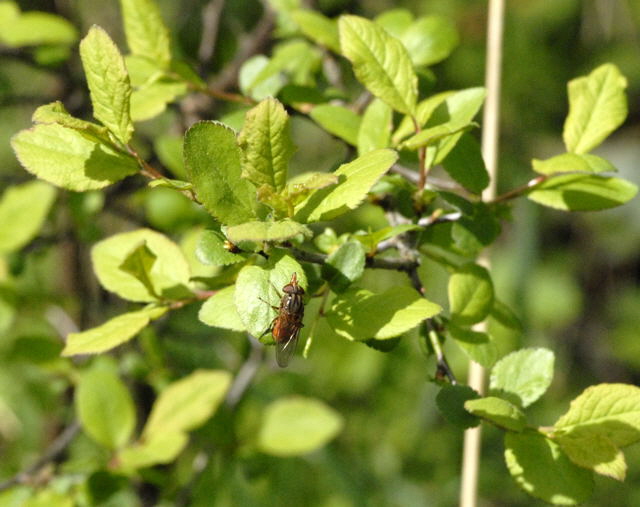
(292, 303)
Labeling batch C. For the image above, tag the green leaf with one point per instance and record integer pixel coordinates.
(266, 145)
(478, 346)
(187, 403)
(67, 159)
(499, 412)
(375, 128)
(452, 116)
(299, 187)
(465, 164)
(108, 82)
(220, 311)
(142, 70)
(522, 376)
(592, 449)
(212, 250)
(371, 241)
(151, 99)
(470, 294)
(169, 274)
(355, 179)
(248, 82)
(344, 266)
(318, 28)
(360, 315)
(104, 406)
(541, 469)
(162, 449)
(583, 192)
(294, 61)
(451, 404)
(395, 21)
(424, 110)
(338, 120)
(380, 62)
(112, 333)
(23, 210)
(146, 33)
(266, 231)
(212, 160)
(55, 112)
(33, 28)
(608, 410)
(597, 106)
(295, 426)
(430, 40)
(168, 148)
(572, 162)
(169, 183)
(258, 288)
(139, 264)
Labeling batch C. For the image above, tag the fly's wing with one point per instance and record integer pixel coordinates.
(286, 348)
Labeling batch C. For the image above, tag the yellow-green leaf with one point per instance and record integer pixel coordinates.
(108, 82)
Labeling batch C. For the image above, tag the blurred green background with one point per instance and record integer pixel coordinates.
(572, 278)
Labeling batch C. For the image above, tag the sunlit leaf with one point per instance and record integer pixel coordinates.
(540, 468)
(23, 210)
(597, 106)
(187, 403)
(169, 274)
(266, 146)
(380, 61)
(583, 192)
(212, 159)
(108, 82)
(220, 310)
(66, 158)
(523, 376)
(355, 179)
(499, 412)
(146, 33)
(104, 406)
(296, 426)
(112, 333)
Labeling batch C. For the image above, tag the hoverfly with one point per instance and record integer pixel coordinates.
(285, 328)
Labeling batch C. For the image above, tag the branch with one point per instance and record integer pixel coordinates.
(245, 375)
(442, 364)
(210, 25)
(56, 448)
(518, 191)
(248, 47)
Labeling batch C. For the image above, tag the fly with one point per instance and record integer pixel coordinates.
(285, 328)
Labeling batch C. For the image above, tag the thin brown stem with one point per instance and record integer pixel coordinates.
(57, 447)
(222, 95)
(518, 191)
(250, 45)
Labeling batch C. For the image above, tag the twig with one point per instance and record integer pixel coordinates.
(248, 47)
(437, 218)
(247, 372)
(443, 367)
(56, 448)
(518, 191)
(210, 24)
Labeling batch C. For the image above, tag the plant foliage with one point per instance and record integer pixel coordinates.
(260, 224)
